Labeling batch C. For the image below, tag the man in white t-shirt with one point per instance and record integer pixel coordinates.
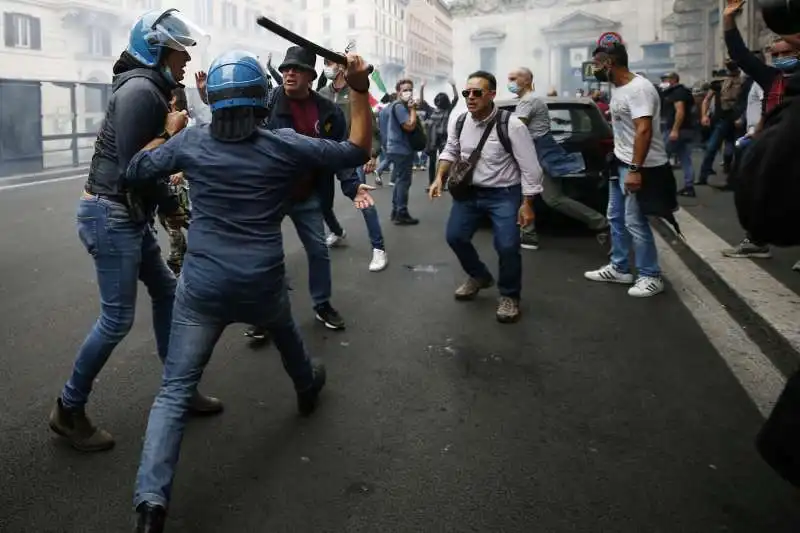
(638, 144)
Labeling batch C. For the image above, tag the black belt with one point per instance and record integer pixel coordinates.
(118, 198)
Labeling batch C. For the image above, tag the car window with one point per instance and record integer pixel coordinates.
(570, 120)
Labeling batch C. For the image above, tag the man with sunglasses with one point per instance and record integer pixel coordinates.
(115, 219)
(504, 183)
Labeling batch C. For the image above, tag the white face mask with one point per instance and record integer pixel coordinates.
(664, 85)
(330, 72)
(405, 96)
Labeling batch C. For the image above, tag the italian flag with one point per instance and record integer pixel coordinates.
(376, 89)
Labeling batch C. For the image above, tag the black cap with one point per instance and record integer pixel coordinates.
(299, 58)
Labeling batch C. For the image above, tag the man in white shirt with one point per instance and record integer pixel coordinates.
(638, 146)
(505, 180)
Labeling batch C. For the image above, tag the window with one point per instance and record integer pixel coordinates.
(22, 31)
(205, 11)
(250, 16)
(326, 24)
(99, 41)
(229, 15)
(489, 59)
(573, 119)
(351, 21)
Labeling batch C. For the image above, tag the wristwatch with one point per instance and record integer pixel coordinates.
(633, 168)
(164, 135)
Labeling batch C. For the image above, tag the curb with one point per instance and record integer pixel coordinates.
(780, 349)
(44, 176)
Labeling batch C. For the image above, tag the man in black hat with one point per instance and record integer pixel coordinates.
(296, 106)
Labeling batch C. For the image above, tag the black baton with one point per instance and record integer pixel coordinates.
(299, 40)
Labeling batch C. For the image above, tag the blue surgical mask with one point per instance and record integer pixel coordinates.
(168, 74)
(513, 88)
(786, 63)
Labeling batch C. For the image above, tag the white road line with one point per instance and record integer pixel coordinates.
(772, 300)
(762, 381)
(40, 182)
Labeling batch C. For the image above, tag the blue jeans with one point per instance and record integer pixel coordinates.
(371, 218)
(502, 206)
(124, 253)
(682, 148)
(309, 223)
(402, 171)
(196, 328)
(724, 131)
(383, 164)
(630, 226)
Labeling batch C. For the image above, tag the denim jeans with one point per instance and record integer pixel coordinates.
(723, 131)
(501, 204)
(402, 171)
(309, 223)
(371, 218)
(196, 328)
(124, 253)
(630, 226)
(682, 148)
(383, 164)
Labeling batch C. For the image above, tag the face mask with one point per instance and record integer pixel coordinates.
(513, 88)
(602, 75)
(405, 96)
(786, 63)
(330, 72)
(165, 70)
(663, 85)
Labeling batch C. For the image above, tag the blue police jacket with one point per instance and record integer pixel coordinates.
(239, 192)
(332, 125)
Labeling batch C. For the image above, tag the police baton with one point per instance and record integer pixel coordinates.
(299, 40)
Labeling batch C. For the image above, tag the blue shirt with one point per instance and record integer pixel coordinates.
(392, 116)
(239, 193)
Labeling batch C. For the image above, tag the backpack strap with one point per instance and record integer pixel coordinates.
(502, 129)
(460, 124)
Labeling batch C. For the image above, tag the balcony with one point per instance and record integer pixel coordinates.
(78, 14)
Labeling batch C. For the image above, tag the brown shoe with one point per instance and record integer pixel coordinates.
(470, 288)
(507, 310)
(75, 426)
(205, 405)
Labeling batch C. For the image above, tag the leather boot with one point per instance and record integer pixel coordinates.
(150, 518)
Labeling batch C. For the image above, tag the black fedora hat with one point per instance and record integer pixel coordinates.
(299, 58)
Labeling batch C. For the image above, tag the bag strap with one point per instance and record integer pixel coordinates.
(502, 130)
(476, 153)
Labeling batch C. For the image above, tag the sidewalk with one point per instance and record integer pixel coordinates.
(45, 175)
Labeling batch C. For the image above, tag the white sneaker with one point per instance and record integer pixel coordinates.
(333, 240)
(646, 286)
(379, 260)
(609, 274)
(796, 267)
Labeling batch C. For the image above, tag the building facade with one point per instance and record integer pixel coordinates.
(430, 42)
(378, 27)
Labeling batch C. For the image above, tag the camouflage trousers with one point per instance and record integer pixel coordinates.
(177, 247)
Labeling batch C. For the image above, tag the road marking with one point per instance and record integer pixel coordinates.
(40, 182)
(762, 381)
(769, 298)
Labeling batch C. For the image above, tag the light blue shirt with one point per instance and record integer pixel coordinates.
(397, 142)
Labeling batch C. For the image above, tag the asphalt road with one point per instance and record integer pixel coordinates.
(597, 413)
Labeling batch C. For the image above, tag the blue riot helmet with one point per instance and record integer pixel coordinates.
(156, 30)
(237, 88)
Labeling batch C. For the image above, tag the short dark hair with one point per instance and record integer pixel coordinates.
(616, 51)
(401, 83)
(488, 76)
(181, 103)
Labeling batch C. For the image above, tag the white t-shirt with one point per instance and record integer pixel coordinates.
(639, 98)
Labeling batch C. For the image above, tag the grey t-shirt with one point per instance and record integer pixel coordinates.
(533, 110)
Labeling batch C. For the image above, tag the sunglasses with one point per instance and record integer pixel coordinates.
(477, 93)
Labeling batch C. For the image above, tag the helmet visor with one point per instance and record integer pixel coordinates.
(178, 32)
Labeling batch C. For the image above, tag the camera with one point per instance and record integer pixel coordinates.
(781, 16)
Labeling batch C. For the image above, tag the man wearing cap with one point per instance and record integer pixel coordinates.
(677, 127)
(296, 106)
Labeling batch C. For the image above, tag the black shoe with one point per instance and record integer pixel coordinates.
(406, 220)
(723, 188)
(307, 399)
(257, 334)
(688, 192)
(329, 316)
(150, 518)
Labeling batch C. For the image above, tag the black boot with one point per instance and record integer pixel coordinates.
(307, 399)
(150, 518)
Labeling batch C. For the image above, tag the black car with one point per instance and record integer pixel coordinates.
(579, 126)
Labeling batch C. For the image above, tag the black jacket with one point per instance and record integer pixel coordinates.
(135, 115)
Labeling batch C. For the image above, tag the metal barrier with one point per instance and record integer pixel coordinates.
(48, 125)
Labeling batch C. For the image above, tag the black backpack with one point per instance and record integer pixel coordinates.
(767, 192)
(502, 128)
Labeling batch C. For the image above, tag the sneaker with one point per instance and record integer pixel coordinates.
(747, 250)
(646, 286)
(326, 314)
(405, 220)
(796, 267)
(529, 240)
(688, 192)
(379, 260)
(77, 428)
(391, 183)
(470, 288)
(307, 398)
(333, 240)
(150, 518)
(257, 334)
(507, 310)
(609, 274)
(378, 179)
